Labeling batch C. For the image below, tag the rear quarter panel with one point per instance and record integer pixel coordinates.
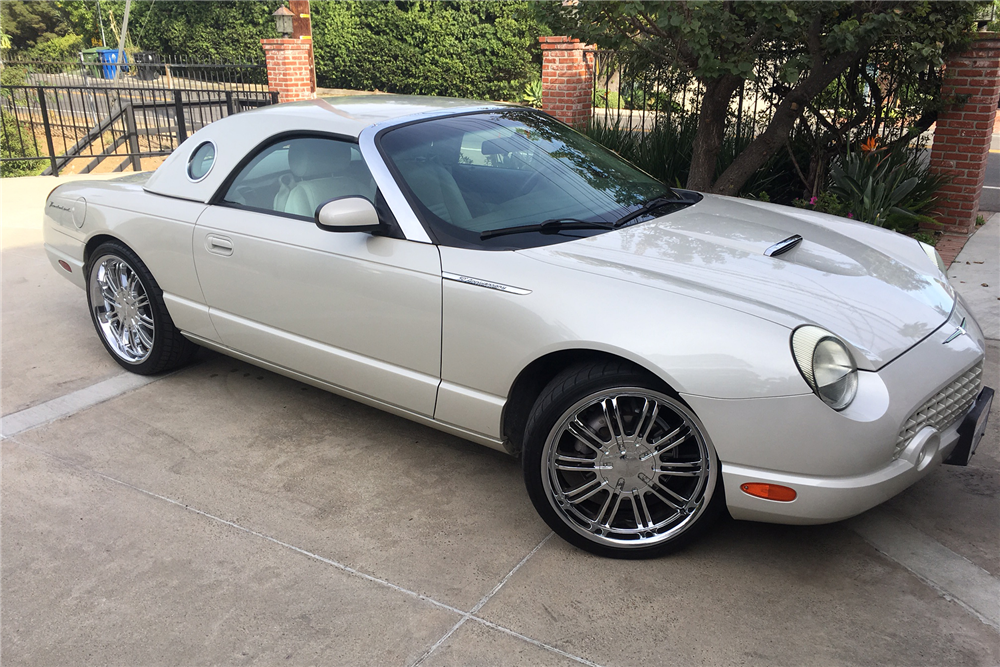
(158, 229)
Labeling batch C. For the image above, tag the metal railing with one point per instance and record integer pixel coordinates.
(637, 95)
(58, 112)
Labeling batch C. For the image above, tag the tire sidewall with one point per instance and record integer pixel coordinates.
(539, 426)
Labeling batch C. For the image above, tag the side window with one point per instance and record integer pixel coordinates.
(296, 176)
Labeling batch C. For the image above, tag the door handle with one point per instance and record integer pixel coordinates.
(220, 245)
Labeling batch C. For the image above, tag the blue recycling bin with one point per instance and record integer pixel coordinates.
(109, 59)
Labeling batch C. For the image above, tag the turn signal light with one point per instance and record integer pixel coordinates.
(769, 491)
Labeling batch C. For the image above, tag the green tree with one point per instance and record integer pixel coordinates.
(723, 44)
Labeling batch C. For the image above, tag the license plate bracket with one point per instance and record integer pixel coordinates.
(972, 429)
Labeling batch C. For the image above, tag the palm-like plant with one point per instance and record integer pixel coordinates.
(876, 182)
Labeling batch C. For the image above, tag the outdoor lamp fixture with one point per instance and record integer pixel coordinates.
(283, 20)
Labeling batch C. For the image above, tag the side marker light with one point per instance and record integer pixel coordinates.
(769, 491)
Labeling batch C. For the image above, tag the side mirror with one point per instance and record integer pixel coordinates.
(347, 214)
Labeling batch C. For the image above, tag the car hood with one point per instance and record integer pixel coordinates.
(875, 289)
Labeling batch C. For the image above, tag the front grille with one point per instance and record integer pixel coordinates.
(942, 409)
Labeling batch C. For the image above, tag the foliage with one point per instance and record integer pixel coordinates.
(532, 95)
(885, 186)
(461, 49)
(57, 48)
(17, 144)
(926, 237)
(27, 24)
(226, 30)
(12, 75)
(665, 153)
(798, 48)
(825, 202)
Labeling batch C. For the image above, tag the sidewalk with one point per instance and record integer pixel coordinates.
(975, 273)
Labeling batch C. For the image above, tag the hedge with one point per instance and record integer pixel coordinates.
(461, 49)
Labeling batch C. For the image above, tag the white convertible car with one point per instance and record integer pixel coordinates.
(654, 355)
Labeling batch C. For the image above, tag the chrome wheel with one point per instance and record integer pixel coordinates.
(628, 468)
(121, 309)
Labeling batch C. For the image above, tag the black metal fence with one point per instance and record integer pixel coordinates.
(57, 112)
(634, 94)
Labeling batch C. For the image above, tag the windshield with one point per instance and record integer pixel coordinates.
(471, 174)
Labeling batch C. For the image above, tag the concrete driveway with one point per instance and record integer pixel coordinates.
(224, 515)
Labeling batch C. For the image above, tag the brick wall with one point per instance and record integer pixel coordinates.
(289, 68)
(964, 129)
(567, 79)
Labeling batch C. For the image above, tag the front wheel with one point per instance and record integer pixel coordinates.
(126, 306)
(618, 467)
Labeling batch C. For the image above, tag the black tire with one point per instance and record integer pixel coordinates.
(169, 349)
(585, 391)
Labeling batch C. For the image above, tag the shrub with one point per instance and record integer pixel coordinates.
(17, 144)
(460, 49)
(532, 95)
(885, 186)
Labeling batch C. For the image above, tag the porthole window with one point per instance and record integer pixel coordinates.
(201, 161)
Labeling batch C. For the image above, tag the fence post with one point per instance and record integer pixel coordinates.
(230, 110)
(48, 131)
(133, 137)
(288, 72)
(567, 79)
(964, 128)
(179, 117)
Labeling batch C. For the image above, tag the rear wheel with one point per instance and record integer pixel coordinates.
(617, 466)
(126, 306)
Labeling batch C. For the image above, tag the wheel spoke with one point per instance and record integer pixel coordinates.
(146, 339)
(616, 438)
(664, 499)
(582, 432)
(669, 441)
(678, 497)
(589, 485)
(614, 510)
(647, 517)
(576, 464)
(678, 469)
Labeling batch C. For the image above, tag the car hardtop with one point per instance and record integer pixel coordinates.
(235, 136)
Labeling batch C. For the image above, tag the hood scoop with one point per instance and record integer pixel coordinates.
(783, 246)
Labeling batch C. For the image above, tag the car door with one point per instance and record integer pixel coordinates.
(359, 311)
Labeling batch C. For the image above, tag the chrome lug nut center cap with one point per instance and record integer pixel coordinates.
(627, 466)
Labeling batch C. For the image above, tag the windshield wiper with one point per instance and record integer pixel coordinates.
(550, 226)
(649, 207)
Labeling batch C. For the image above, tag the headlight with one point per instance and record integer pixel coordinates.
(826, 364)
(934, 255)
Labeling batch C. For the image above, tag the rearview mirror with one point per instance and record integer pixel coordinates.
(347, 214)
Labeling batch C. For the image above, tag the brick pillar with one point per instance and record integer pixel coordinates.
(302, 29)
(567, 79)
(289, 72)
(964, 129)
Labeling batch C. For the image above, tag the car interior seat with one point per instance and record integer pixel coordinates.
(320, 172)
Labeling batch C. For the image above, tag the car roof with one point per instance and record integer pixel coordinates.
(237, 135)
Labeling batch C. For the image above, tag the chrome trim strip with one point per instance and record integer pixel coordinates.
(783, 246)
(488, 284)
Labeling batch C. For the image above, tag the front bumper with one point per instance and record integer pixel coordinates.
(842, 463)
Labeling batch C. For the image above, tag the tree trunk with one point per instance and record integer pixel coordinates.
(788, 110)
(711, 131)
